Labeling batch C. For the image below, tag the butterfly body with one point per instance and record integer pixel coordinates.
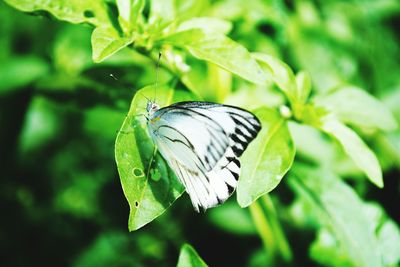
(202, 143)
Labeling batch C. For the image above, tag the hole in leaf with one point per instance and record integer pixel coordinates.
(138, 172)
(267, 28)
(136, 204)
(88, 14)
(155, 174)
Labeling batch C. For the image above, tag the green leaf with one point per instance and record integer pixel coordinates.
(124, 11)
(20, 71)
(102, 115)
(340, 210)
(72, 51)
(79, 196)
(329, 154)
(280, 72)
(148, 183)
(252, 96)
(326, 250)
(162, 13)
(107, 249)
(307, 138)
(106, 41)
(74, 11)
(41, 124)
(269, 228)
(303, 84)
(208, 81)
(267, 158)
(186, 9)
(129, 13)
(357, 150)
(220, 50)
(206, 24)
(220, 81)
(189, 258)
(389, 240)
(387, 233)
(329, 65)
(233, 219)
(392, 100)
(355, 106)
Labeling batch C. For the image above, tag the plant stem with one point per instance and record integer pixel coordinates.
(268, 226)
(263, 228)
(279, 235)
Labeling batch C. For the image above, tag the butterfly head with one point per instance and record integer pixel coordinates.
(152, 107)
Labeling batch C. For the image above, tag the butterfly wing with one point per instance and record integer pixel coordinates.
(202, 142)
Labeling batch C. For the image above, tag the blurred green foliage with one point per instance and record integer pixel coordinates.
(321, 75)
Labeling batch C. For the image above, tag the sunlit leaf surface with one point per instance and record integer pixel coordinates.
(355, 106)
(219, 50)
(356, 149)
(189, 258)
(341, 210)
(149, 185)
(74, 11)
(266, 159)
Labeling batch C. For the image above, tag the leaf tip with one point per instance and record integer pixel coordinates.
(96, 59)
(379, 183)
(244, 199)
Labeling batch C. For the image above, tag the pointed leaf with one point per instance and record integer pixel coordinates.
(355, 147)
(326, 250)
(389, 241)
(27, 69)
(162, 12)
(106, 41)
(232, 219)
(148, 183)
(207, 24)
(186, 9)
(189, 258)
(74, 11)
(220, 50)
(355, 106)
(303, 84)
(280, 72)
(340, 210)
(267, 158)
(129, 13)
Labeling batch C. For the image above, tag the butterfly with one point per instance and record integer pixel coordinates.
(202, 143)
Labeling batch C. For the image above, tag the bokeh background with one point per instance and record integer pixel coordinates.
(60, 194)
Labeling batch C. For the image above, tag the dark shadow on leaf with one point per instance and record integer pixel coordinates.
(88, 14)
(164, 187)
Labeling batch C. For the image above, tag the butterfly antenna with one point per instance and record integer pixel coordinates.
(112, 76)
(145, 97)
(118, 81)
(158, 65)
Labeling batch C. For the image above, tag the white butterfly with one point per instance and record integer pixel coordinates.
(201, 141)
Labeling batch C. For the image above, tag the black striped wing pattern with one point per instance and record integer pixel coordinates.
(202, 143)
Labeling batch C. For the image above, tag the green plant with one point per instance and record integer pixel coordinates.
(318, 123)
